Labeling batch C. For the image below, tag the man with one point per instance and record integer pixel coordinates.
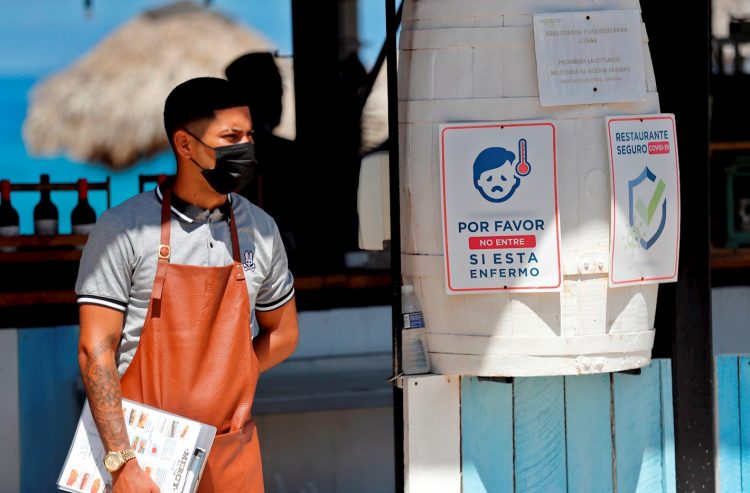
(166, 287)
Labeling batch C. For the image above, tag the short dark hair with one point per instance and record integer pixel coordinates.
(491, 158)
(197, 99)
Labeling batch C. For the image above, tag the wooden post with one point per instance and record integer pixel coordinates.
(681, 61)
(392, 20)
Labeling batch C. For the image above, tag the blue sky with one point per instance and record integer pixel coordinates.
(39, 37)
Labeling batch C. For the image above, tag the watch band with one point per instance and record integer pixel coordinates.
(127, 454)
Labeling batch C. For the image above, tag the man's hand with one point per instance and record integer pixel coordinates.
(132, 479)
(277, 336)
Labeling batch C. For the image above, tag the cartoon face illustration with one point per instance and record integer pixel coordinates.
(495, 175)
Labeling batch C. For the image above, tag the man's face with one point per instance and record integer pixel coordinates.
(497, 184)
(229, 126)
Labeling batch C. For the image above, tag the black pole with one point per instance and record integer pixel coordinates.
(373, 74)
(682, 62)
(398, 395)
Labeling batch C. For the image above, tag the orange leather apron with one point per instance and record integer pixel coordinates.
(195, 358)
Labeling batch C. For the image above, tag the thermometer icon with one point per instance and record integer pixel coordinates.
(523, 167)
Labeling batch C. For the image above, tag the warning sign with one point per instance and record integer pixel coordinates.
(645, 216)
(501, 228)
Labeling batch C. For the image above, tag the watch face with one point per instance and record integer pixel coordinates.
(112, 461)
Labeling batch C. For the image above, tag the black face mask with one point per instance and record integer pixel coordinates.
(235, 166)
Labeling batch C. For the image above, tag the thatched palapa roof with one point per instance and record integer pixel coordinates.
(107, 107)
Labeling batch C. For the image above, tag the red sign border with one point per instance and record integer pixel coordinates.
(550, 124)
(643, 280)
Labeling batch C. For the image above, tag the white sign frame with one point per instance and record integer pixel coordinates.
(461, 195)
(633, 140)
(589, 57)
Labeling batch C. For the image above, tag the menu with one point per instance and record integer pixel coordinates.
(170, 448)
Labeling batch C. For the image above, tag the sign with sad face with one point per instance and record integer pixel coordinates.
(500, 217)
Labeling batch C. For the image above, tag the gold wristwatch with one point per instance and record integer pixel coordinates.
(113, 461)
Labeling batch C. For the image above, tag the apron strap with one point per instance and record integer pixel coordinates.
(239, 270)
(165, 250)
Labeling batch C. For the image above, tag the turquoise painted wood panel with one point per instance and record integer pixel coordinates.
(36, 393)
(743, 371)
(589, 433)
(68, 388)
(539, 430)
(487, 436)
(563, 433)
(49, 407)
(728, 405)
(638, 431)
(669, 473)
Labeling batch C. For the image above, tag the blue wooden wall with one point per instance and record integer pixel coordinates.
(594, 433)
(49, 400)
(733, 406)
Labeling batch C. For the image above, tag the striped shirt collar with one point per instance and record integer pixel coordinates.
(189, 212)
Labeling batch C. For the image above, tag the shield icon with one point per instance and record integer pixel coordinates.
(647, 207)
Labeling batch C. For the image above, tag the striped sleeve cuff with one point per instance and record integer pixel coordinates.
(278, 303)
(90, 299)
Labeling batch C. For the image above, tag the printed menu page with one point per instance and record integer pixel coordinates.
(166, 447)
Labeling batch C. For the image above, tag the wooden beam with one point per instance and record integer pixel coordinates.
(684, 309)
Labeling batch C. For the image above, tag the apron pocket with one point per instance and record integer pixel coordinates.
(234, 463)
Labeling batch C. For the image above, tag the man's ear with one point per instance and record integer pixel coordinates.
(182, 144)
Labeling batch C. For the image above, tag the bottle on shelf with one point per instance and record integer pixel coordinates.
(8, 216)
(83, 216)
(414, 357)
(46, 217)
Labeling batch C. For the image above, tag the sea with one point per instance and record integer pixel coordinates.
(18, 166)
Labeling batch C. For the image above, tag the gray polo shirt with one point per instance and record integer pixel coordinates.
(119, 262)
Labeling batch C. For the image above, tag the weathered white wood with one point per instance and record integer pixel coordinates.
(447, 9)
(593, 187)
(591, 317)
(567, 193)
(533, 366)
(517, 20)
(432, 434)
(467, 37)
(535, 346)
(437, 39)
(453, 73)
(519, 72)
(474, 61)
(630, 307)
(488, 73)
(471, 110)
(504, 317)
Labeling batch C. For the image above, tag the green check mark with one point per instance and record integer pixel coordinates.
(647, 215)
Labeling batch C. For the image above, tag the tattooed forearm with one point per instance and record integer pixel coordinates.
(105, 397)
(103, 386)
(111, 429)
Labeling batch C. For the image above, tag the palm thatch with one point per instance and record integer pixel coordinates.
(107, 107)
(375, 113)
